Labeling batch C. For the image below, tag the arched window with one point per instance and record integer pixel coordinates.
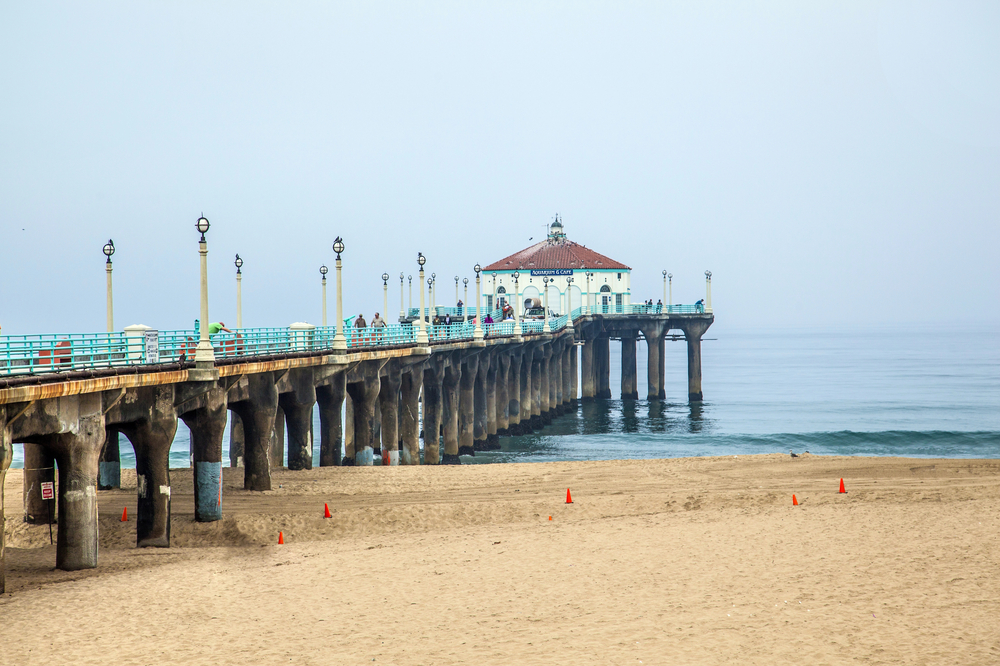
(605, 303)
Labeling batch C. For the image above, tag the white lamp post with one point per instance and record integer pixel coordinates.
(402, 310)
(456, 290)
(323, 270)
(465, 300)
(239, 292)
(204, 354)
(385, 295)
(545, 305)
(670, 292)
(409, 279)
(708, 291)
(665, 301)
(569, 301)
(477, 334)
(433, 302)
(493, 302)
(421, 330)
(109, 249)
(339, 341)
(517, 305)
(588, 273)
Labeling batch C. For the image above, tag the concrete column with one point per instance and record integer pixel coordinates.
(526, 392)
(151, 438)
(693, 336)
(450, 412)
(330, 399)
(77, 455)
(257, 415)
(432, 414)
(6, 455)
(501, 400)
(236, 439)
(630, 389)
(588, 372)
(109, 474)
(348, 459)
(653, 332)
(574, 375)
(388, 398)
(409, 424)
(556, 379)
(297, 406)
(544, 396)
(514, 393)
(468, 416)
(39, 468)
(537, 367)
(364, 395)
(481, 426)
(661, 367)
(276, 449)
(569, 396)
(496, 386)
(208, 426)
(604, 369)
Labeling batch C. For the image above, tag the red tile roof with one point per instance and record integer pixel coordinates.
(560, 253)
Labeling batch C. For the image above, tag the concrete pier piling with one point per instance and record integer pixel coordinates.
(433, 409)
(207, 423)
(653, 332)
(257, 410)
(39, 468)
(6, 455)
(297, 406)
(109, 473)
(452, 412)
(330, 399)
(604, 367)
(501, 402)
(480, 420)
(388, 399)
(630, 388)
(467, 407)
(491, 389)
(151, 438)
(409, 424)
(588, 374)
(693, 332)
(364, 395)
(235, 440)
(514, 394)
(276, 448)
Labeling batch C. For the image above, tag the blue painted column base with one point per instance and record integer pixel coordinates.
(365, 457)
(109, 475)
(207, 491)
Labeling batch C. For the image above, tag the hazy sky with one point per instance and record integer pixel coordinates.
(831, 163)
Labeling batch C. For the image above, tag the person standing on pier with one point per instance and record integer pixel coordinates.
(216, 327)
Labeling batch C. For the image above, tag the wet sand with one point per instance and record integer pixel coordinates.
(701, 561)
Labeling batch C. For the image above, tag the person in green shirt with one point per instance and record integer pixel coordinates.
(217, 326)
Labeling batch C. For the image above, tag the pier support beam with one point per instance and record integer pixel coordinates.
(630, 388)
(548, 382)
(653, 332)
(588, 372)
(39, 467)
(330, 398)
(297, 406)
(433, 390)
(603, 367)
(493, 392)
(348, 459)
(514, 394)
(574, 389)
(468, 414)
(151, 438)
(6, 455)
(480, 403)
(388, 398)
(451, 409)
(537, 406)
(276, 450)
(236, 440)
(569, 389)
(409, 423)
(208, 426)
(257, 413)
(364, 395)
(501, 404)
(693, 331)
(77, 454)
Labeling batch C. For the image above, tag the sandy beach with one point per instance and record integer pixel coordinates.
(684, 561)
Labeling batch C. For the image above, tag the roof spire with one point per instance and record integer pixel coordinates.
(556, 233)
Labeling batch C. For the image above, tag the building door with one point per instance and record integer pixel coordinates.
(605, 299)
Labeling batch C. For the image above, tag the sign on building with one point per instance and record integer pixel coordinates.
(552, 271)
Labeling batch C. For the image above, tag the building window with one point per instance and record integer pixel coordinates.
(619, 276)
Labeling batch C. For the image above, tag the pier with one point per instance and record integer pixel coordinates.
(459, 387)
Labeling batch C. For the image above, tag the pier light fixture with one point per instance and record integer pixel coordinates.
(465, 298)
(456, 290)
(385, 294)
(204, 355)
(477, 333)
(569, 301)
(409, 280)
(545, 304)
(238, 262)
(402, 305)
(708, 291)
(670, 288)
(323, 270)
(421, 328)
(665, 301)
(385, 279)
(109, 249)
(339, 341)
(517, 297)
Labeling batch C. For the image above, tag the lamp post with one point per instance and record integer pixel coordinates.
(402, 310)
(385, 294)
(409, 279)
(545, 305)
(433, 303)
(323, 270)
(569, 301)
(456, 290)
(239, 292)
(421, 330)
(665, 285)
(588, 291)
(670, 287)
(517, 305)
(708, 291)
(465, 300)
(339, 341)
(204, 354)
(477, 334)
(109, 249)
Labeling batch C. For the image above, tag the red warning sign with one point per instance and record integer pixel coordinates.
(48, 490)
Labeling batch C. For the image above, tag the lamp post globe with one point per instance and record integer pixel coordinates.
(204, 355)
(323, 270)
(402, 305)
(238, 262)
(421, 328)
(385, 278)
(338, 246)
(109, 249)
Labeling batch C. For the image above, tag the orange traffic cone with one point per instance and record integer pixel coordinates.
(569, 498)
(281, 538)
(550, 517)
(842, 486)
(795, 502)
(125, 514)
(326, 511)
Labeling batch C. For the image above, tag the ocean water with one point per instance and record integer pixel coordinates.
(892, 391)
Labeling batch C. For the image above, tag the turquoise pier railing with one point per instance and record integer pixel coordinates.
(36, 354)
